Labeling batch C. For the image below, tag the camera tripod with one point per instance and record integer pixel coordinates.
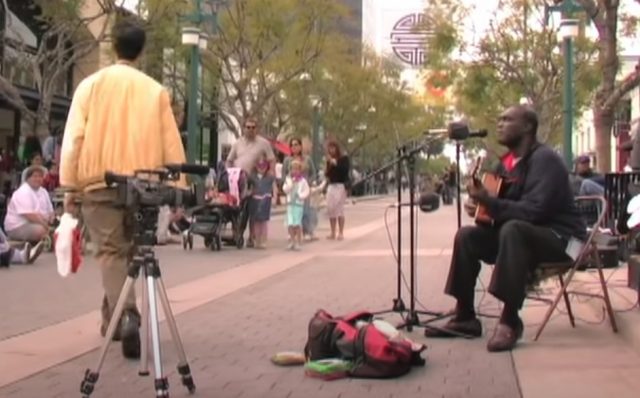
(145, 262)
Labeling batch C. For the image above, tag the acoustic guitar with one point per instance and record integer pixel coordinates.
(492, 183)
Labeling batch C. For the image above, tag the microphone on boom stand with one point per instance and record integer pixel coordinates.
(427, 202)
(459, 131)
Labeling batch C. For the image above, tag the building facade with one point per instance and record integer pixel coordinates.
(628, 112)
(22, 34)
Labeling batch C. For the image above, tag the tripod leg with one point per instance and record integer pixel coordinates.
(161, 383)
(183, 365)
(144, 328)
(91, 377)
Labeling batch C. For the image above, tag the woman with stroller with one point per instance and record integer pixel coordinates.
(260, 203)
(309, 214)
(297, 190)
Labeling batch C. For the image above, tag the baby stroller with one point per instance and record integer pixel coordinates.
(227, 210)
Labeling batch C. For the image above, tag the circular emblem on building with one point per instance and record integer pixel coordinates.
(409, 37)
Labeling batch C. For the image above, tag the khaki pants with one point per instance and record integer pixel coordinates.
(107, 226)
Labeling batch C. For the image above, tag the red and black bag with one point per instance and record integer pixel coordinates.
(373, 354)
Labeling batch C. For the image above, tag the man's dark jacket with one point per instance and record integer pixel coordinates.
(537, 191)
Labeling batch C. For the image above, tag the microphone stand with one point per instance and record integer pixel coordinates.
(403, 154)
(412, 319)
(398, 304)
(458, 204)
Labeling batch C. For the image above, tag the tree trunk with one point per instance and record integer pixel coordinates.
(604, 116)
(603, 120)
(41, 121)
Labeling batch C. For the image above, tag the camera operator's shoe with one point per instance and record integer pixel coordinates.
(130, 334)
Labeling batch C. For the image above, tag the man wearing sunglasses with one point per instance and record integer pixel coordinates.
(250, 148)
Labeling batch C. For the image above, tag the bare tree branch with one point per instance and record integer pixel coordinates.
(631, 82)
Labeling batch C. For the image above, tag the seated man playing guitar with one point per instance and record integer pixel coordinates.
(533, 220)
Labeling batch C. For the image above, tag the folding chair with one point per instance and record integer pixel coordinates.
(589, 250)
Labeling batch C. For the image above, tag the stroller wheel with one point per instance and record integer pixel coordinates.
(240, 242)
(208, 242)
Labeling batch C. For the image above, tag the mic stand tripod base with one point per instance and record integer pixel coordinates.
(152, 287)
(439, 331)
(398, 306)
(412, 319)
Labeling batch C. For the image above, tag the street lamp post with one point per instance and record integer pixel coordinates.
(316, 153)
(569, 29)
(191, 36)
(316, 122)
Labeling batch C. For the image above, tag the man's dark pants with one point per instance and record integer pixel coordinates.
(516, 249)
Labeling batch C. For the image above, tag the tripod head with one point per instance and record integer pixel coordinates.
(145, 225)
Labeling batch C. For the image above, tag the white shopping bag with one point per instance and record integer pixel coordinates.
(68, 245)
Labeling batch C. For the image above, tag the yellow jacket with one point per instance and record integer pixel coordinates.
(121, 121)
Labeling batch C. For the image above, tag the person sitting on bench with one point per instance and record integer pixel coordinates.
(30, 211)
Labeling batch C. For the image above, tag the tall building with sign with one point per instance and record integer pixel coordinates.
(399, 30)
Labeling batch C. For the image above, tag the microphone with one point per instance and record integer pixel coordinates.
(460, 131)
(427, 202)
(188, 168)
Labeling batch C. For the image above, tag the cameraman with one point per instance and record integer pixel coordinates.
(121, 121)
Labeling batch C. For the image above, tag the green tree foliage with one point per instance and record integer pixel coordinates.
(518, 56)
(435, 166)
(71, 30)
(261, 46)
(267, 57)
(364, 106)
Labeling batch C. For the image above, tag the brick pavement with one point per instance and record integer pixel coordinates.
(39, 297)
(229, 340)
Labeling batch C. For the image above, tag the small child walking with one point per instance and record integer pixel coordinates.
(260, 203)
(297, 190)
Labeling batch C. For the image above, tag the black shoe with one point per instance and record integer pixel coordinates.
(470, 328)
(130, 334)
(5, 258)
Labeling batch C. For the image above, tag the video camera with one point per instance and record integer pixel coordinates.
(147, 190)
(149, 187)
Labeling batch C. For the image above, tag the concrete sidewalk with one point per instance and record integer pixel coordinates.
(232, 321)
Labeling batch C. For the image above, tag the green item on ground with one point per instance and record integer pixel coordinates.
(328, 369)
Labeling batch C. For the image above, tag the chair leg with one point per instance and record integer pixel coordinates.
(605, 294)
(553, 305)
(567, 303)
